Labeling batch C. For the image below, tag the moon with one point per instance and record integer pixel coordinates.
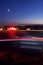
(8, 10)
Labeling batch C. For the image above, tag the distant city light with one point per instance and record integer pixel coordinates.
(1, 29)
(12, 28)
(28, 29)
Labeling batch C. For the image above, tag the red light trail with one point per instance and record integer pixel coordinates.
(24, 39)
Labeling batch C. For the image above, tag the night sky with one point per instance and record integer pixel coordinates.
(21, 11)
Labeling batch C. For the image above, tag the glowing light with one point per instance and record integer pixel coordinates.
(1, 29)
(12, 31)
(33, 37)
(28, 29)
(11, 28)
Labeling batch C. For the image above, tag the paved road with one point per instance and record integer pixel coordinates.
(8, 40)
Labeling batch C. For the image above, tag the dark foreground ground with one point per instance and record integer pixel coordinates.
(10, 55)
(15, 57)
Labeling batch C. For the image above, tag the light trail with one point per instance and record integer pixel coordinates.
(23, 39)
(32, 30)
(26, 30)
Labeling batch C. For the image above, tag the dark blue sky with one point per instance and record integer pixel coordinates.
(21, 11)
